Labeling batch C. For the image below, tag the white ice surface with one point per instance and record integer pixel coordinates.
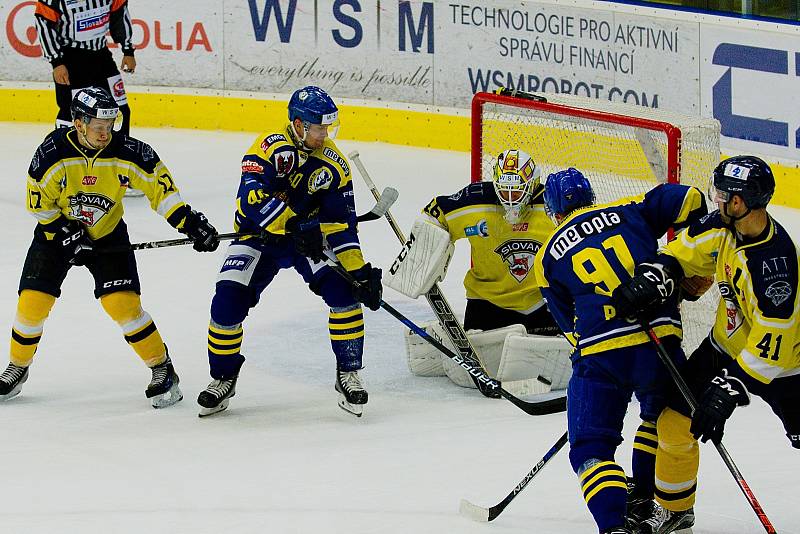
(82, 451)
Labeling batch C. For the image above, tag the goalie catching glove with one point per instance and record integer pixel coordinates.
(651, 284)
(423, 260)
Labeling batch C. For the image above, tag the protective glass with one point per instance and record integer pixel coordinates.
(717, 196)
(321, 131)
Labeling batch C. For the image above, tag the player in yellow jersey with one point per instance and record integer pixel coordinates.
(296, 192)
(505, 223)
(76, 182)
(753, 345)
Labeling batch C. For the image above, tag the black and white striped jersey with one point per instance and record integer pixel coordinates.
(82, 24)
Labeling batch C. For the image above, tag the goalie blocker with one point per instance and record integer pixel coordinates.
(525, 364)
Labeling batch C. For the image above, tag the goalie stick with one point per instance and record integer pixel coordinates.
(444, 313)
(477, 373)
(484, 515)
(723, 452)
(381, 207)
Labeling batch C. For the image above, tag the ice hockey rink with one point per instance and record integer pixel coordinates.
(83, 451)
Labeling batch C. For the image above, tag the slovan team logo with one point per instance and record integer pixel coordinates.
(89, 208)
(519, 254)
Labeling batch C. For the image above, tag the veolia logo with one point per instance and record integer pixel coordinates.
(26, 45)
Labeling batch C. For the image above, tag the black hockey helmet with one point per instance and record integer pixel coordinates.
(93, 103)
(747, 176)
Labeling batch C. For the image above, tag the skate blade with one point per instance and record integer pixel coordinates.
(169, 398)
(355, 409)
(11, 394)
(205, 412)
(14, 392)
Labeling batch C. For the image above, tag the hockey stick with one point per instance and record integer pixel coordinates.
(444, 313)
(723, 452)
(475, 371)
(484, 515)
(380, 208)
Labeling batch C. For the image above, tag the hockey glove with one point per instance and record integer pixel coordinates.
(650, 285)
(200, 231)
(307, 238)
(716, 405)
(368, 290)
(75, 242)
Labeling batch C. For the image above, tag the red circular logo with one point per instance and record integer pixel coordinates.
(29, 48)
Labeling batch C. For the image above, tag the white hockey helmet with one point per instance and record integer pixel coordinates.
(515, 177)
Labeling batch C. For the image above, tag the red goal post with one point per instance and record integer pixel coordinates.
(623, 149)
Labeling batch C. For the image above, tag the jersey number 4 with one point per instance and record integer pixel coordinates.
(591, 265)
(766, 344)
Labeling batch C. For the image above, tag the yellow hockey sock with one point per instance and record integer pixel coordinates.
(138, 327)
(677, 461)
(33, 307)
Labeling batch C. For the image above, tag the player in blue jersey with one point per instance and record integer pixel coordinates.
(296, 193)
(753, 345)
(593, 249)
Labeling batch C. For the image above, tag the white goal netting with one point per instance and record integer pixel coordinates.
(623, 149)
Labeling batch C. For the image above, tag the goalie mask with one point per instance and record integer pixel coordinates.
(515, 177)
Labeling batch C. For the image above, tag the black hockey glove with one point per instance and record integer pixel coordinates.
(199, 230)
(75, 242)
(650, 285)
(368, 290)
(307, 238)
(716, 405)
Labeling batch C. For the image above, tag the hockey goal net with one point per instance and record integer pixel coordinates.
(623, 149)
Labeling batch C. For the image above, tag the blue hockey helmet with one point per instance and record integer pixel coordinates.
(747, 176)
(567, 190)
(312, 105)
(93, 103)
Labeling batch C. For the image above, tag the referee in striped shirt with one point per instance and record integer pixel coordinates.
(72, 34)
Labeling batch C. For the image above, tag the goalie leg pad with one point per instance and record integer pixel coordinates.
(423, 260)
(541, 361)
(423, 358)
(489, 346)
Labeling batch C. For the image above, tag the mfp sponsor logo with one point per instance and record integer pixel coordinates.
(237, 262)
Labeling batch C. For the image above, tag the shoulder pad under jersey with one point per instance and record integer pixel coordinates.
(50, 152)
(135, 151)
(277, 149)
(330, 153)
(473, 194)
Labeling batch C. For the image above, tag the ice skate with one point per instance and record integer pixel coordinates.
(641, 510)
(216, 396)
(11, 381)
(352, 395)
(163, 389)
(664, 522)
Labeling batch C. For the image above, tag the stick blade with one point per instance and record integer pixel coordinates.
(473, 511)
